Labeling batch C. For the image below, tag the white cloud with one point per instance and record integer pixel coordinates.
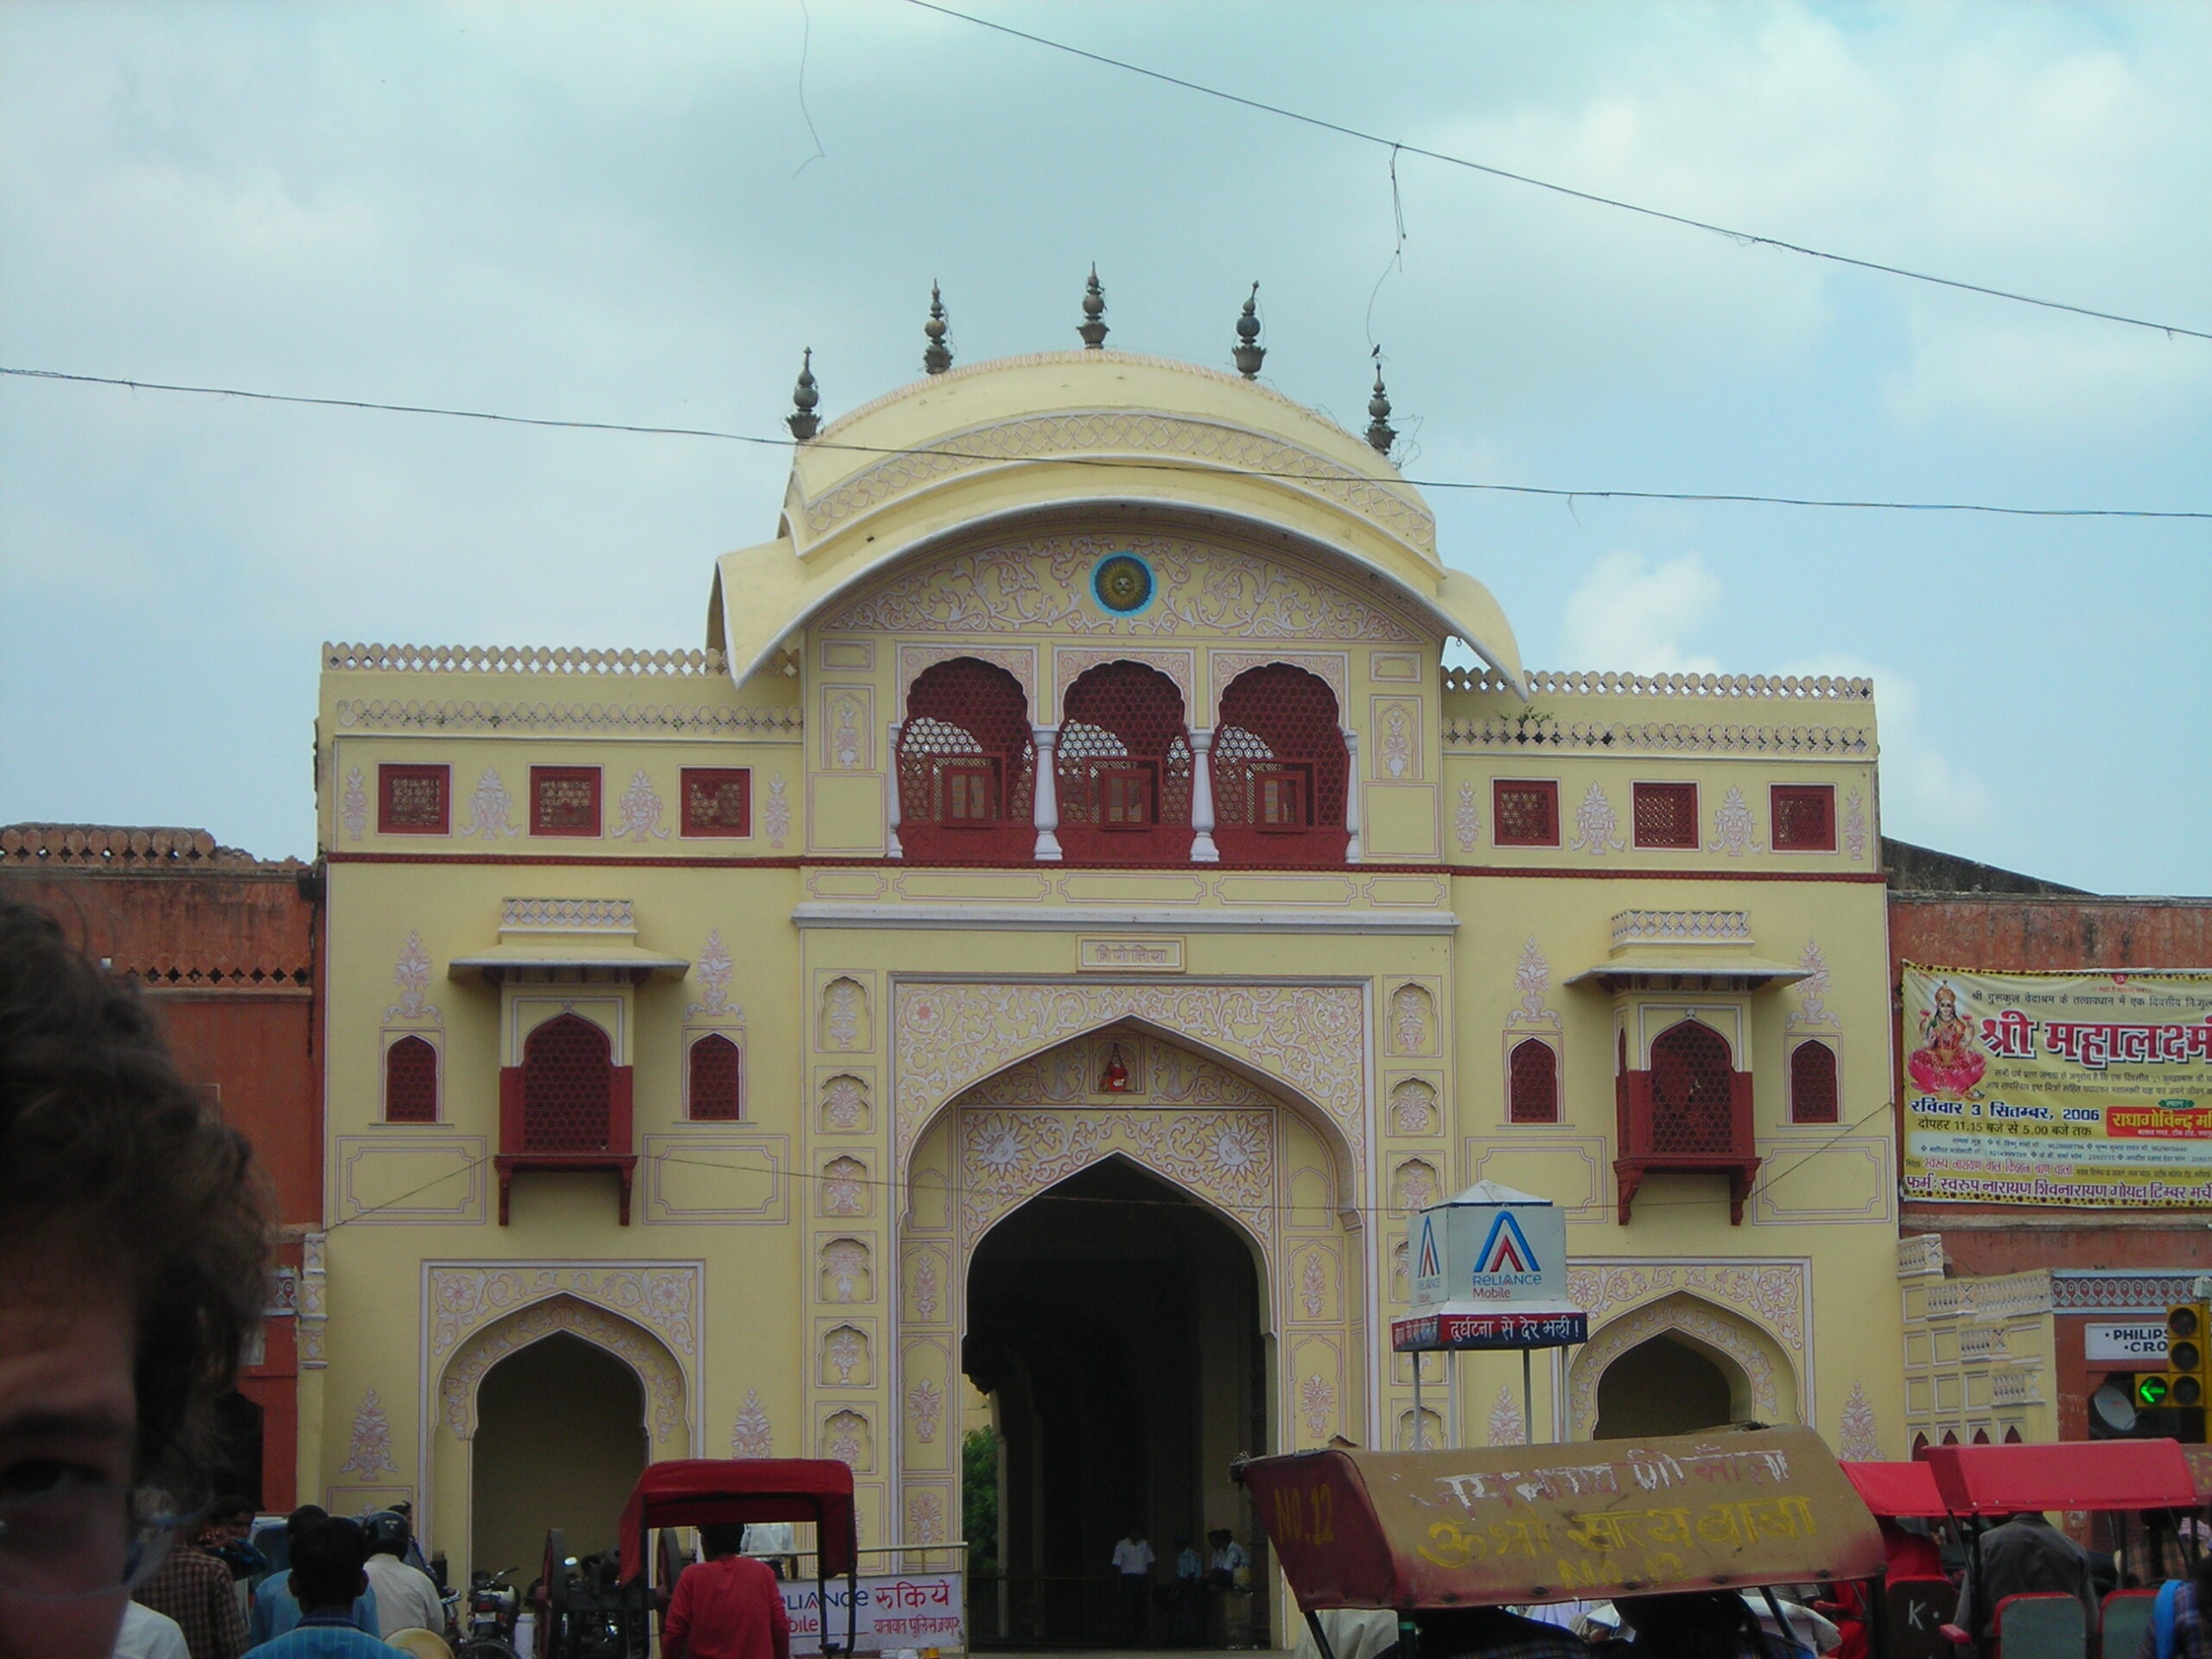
(1630, 613)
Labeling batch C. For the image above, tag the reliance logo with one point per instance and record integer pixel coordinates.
(1428, 1267)
(1506, 1263)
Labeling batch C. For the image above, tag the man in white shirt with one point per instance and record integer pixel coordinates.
(1133, 1560)
(149, 1635)
(406, 1598)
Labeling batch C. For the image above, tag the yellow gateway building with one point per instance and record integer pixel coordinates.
(1041, 947)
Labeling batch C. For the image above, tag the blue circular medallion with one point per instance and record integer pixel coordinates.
(1123, 583)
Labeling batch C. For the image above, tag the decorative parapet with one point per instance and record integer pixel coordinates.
(569, 915)
(1578, 683)
(1920, 1256)
(2010, 1387)
(1505, 732)
(2006, 1296)
(524, 659)
(1681, 927)
(410, 716)
(2076, 1290)
(101, 846)
(1983, 1342)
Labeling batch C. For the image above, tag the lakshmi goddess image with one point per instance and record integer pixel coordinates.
(1950, 1063)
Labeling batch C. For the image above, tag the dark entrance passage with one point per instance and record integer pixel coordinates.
(1116, 1325)
(1664, 1386)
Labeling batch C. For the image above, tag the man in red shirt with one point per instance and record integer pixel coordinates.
(728, 1606)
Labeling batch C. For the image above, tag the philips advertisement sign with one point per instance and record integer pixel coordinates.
(1489, 1271)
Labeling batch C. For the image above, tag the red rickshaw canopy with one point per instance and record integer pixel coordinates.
(2070, 1475)
(1894, 1488)
(720, 1491)
(1493, 1525)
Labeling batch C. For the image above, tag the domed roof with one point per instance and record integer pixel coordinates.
(1014, 436)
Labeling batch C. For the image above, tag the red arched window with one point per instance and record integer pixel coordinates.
(717, 1078)
(1693, 1089)
(1981, 1437)
(967, 765)
(1811, 1084)
(1534, 1077)
(1950, 1437)
(1280, 769)
(1123, 769)
(2012, 1435)
(1919, 1447)
(568, 1076)
(410, 1081)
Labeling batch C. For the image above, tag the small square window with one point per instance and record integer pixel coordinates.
(1804, 817)
(1666, 815)
(414, 800)
(969, 794)
(564, 801)
(1125, 798)
(1282, 798)
(717, 800)
(1525, 812)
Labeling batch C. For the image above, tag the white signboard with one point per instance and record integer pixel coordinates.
(899, 1610)
(1489, 1270)
(2125, 1341)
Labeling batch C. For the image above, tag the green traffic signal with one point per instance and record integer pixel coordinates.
(2150, 1390)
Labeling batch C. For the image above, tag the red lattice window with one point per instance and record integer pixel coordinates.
(1693, 1091)
(1524, 812)
(966, 766)
(1281, 768)
(564, 801)
(567, 1077)
(414, 800)
(1666, 815)
(717, 800)
(1804, 817)
(410, 1081)
(1124, 750)
(1811, 1084)
(717, 1078)
(1534, 1071)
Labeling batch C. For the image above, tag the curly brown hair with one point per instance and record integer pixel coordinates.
(106, 1152)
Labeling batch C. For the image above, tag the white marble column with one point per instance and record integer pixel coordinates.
(1203, 851)
(1047, 795)
(1352, 795)
(891, 846)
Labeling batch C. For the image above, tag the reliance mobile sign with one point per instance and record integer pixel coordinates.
(1489, 1271)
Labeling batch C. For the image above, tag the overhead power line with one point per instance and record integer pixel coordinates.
(1107, 462)
(1743, 239)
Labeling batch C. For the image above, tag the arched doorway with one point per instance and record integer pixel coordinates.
(1668, 1386)
(560, 1440)
(1115, 1323)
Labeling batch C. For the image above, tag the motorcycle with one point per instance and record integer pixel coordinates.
(488, 1630)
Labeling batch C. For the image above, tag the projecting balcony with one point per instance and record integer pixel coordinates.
(1689, 1114)
(565, 1110)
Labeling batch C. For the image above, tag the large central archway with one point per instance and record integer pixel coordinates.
(1116, 1326)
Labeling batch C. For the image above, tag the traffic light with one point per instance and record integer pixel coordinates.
(2187, 1381)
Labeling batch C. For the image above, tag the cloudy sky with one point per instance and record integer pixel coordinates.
(621, 213)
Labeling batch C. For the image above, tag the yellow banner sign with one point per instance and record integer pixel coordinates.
(2066, 1089)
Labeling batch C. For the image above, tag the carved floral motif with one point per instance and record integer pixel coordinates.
(1412, 1107)
(411, 973)
(1506, 1426)
(846, 1350)
(925, 1288)
(1813, 991)
(1860, 1441)
(1043, 583)
(776, 816)
(658, 1369)
(952, 1035)
(1467, 821)
(369, 1447)
(1413, 1018)
(1227, 1156)
(353, 805)
(714, 971)
(845, 1437)
(1595, 823)
(1775, 1293)
(749, 1434)
(490, 807)
(844, 1187)
(844, 1104)
(1314, 1285)
(663, 1298)
(640, 809)
(1732, 826)
(1532, 977)
(1397, 747)
(1316, 1406)
(1854, 825)
(845, 1271)
(925, 1408)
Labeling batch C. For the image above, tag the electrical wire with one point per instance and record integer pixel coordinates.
(1742, 238)
(1729, 498)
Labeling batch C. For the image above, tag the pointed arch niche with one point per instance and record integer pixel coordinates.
(1756, 1369)
(1226, 1129)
